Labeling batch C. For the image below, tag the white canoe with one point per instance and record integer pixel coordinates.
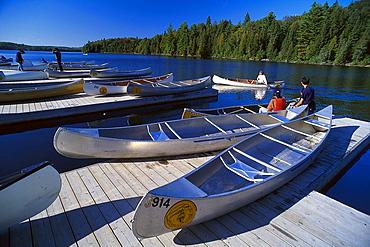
(120, 87)
(174, 137)
(164, 88)
(27, 193)
(13, 75)
(245, 82)
(234, 178)
(115, 73)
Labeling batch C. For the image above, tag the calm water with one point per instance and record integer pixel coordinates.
(347, 88)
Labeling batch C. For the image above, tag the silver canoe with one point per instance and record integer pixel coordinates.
(68, 74)
(119, 87)
(81, 66)
(14, 75)
(237, 176)
(175, 137)
(115, 73)
(27, 193)
(168, 87)
(245, 82)
(189, 112)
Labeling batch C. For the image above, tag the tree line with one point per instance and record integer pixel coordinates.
(325, 34)
(14, 46)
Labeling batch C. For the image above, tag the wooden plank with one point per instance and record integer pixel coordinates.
(81, 229)
(96, 220)
(107, 207)
(20, 234)
(41, 230)
(60, 225)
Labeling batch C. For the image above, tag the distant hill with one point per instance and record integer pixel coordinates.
(14, 46)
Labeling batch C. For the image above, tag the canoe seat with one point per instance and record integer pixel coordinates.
(244, 170)
(317, 123)
(279, 118)
(157, 135)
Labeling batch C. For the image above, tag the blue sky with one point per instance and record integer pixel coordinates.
(75, 22)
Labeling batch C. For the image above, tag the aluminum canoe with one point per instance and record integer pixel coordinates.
(245, 82)
(41, 92)
(188, 112)
(14, 75)
(155, 89)
(28, 192)
(119, 87)
(234, 178)
(80, 66)
(115, 73)
(175, 137)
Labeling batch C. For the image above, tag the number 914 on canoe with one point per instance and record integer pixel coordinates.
(157, 202)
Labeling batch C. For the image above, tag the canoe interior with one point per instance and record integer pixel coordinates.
(138, 81)
(192, 128)
(264, 155)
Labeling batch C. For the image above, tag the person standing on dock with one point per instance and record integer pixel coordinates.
(19, 59)
(307, 95)
(58, 56)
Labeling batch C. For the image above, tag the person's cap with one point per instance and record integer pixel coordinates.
(261, 71)
(276, 91)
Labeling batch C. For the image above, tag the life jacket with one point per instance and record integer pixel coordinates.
(280, 104)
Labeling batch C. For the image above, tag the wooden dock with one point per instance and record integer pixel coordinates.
(97, 202)
(78, 104)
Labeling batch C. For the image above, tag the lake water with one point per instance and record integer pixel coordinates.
(346, 88)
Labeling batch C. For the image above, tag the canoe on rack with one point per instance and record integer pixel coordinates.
(41, 92)
(174, 137)
(119, 87)
(27, 193)
(188, 112)
(115, 73)
(234, 178)
(164, 88)
(245, 82)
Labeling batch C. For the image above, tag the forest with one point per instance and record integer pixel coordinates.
(325, 35)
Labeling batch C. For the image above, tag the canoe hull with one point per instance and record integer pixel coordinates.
(120, 87)
(81, 66)
(162, 89)
(25, 75)
(112, 74)
(41, 92)
(245, 83)
(214, 188)
(197, 135)
(19, 202)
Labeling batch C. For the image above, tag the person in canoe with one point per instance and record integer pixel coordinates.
(307, 95)
(19, 59)
(58, 56)
(261, 78)
(277, 103)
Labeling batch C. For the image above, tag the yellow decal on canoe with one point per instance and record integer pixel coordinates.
(136, 90)
(180, 214)
(1, 78)
(103, 90)
(94, 73)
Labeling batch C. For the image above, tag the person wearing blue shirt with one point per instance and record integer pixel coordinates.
(307, 95)
(19, 59)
